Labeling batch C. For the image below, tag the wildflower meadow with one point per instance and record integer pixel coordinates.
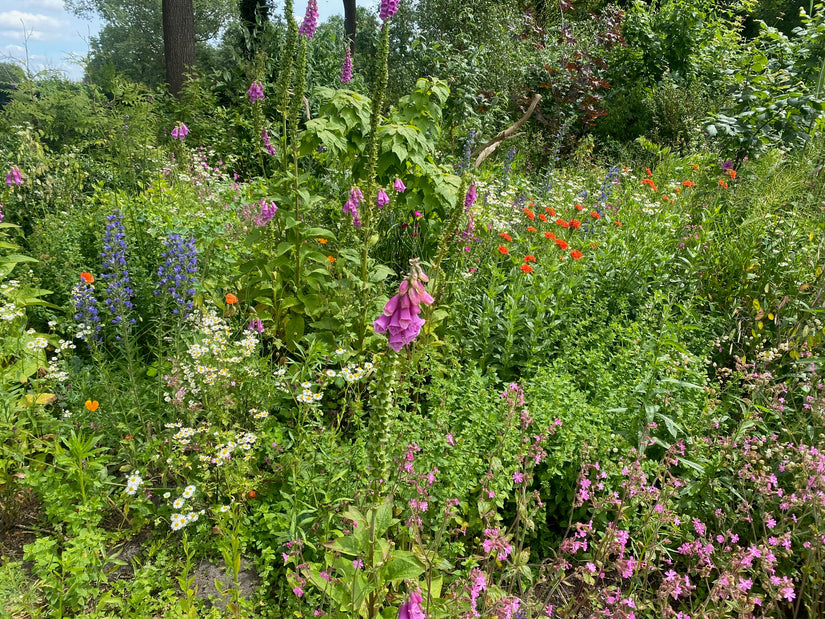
(506, 311)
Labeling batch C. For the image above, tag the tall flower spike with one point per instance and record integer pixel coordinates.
(383, 199)
(401, 313)
(255, 92)
(178, 273)
(307, 28)
(346, 69)
(118, 288)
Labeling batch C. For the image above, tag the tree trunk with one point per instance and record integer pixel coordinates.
(178, 41)
(349, 23)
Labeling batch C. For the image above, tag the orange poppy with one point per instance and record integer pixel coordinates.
(331, 259)
(321, 241)
(526, 268)
(549, 235)
(92, 405)
(502, 249)
(576, 254)
(575, 223)
(561, 244)
(87, 277)
(579, 207)
(649, 173)
(723, 184)
(231, 299)
(618, 223)
(562, 223)
(688, 184)
(542, 216)
(595, 215)
(529, 258)
(529, 214)
(549, 211)
(732, 174)
(695, 167)
(531, 229)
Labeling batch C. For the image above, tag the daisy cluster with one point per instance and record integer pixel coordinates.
(8, 309)
(133, 482)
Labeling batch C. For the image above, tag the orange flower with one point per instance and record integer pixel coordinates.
(526, 268)
(576, 254)
(529, 258)
(649, 173)
(575, 223)
(542, 216)
(732, 174)
(502, 249)
(666, 198)
(688, 184)
(695, 167)
(595, 215)
(723, 184)
(561, 244)
(321, 241)
(618, 223)
(331, 259)
(505, 236)
(562, 223)
(92, 405)
(549, 235)
(579, 207)
(532, 204)
(231, 299)
(531, 229)
(87, 277)
(649, 183)
(549, 211)
(529, 214)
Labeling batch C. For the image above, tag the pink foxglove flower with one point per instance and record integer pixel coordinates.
(180, 132)
(411, 609)
(307, 28)
(399, 185)
(401, 315)
(388, 9)
(346, 69)
(13, 177)
(383, 199)
(255, 92)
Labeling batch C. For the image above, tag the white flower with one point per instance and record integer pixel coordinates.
(224, 509)
(188, 491)
(178, 521)
(330, 373)
(178, 503)
(340, 351)
(166, 495)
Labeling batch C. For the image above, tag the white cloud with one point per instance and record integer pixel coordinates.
(36, 26)
(46, 5)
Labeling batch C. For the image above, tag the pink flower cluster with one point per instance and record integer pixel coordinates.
(255, 92)
(13, 177)
(178, 133)
(401, 313)
(346, 69)
(411, 609)
(388, 9)
(307, 28)
(351, 206)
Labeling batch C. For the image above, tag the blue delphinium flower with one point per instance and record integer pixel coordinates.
(178, 273)
(118, 291)
(86, 314)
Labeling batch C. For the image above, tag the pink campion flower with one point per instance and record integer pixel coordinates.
(307, 28)
(401, 313)
(518, 477)
(388, 9)
(346, 69)
(450, 440)
(255, 92)
(399, 186)
(411, 609)
(479, 585)
(180, 132)
(298, 591)
(13, 177)
(383, 199)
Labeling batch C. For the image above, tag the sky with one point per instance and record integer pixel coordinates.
(56, 39)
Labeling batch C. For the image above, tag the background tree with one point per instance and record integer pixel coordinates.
(178, 41)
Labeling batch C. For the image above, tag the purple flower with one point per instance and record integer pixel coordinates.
(118, 290)
(383, 199)
(351, 206)
(346, 69)
(388, 9)
(727, 165)
(177, 275)
(1, 212)
(255, 92)
(470, 198)
(399, 186)
(307, 28)
(13, 177)
(256, 325)
(266, 214)
(401, 313)
(411, 609)
(180, 132)
(267, 144)
(86, 314)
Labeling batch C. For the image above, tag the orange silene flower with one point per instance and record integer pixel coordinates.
(579, 207)
(666, 198)
(526, 268)
(561, 244)
(331, 259)
(695, 167)
(92, 405)
(87, 277)
(648, 172)
(562, 223)
(529, 258)
(531, 229)
(502, 249)
(649, 183)
(505, 236)
(530, 215)
(231, 299)
(549, 211)
(542, 216)
(321, 241)
(575, 223)
(549, 235)
(595, 215)
(732, 174)
(723, 184)
(618, 223)
(688, 184)
(576, 254)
